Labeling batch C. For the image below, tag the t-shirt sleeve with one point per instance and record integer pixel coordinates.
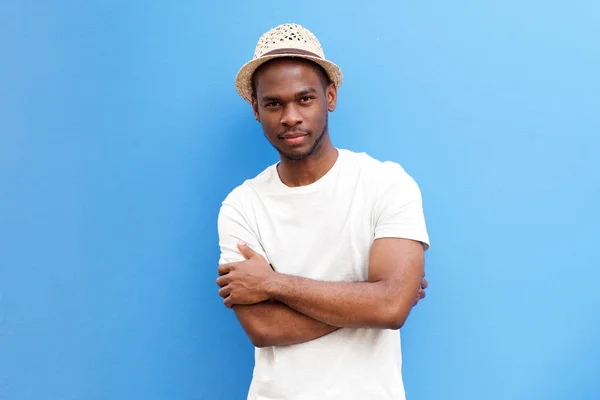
(233, 226)
(399, 209)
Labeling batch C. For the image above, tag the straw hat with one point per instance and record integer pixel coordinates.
(287, 40)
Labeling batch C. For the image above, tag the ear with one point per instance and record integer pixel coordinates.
(331, 95)
(255, 109)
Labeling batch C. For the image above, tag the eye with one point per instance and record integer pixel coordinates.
(306, 99)
(272, 104)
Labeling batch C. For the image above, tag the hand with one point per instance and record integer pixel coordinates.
(421, 294)
(245, 282)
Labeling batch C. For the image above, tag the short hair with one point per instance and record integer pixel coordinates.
(323, 77)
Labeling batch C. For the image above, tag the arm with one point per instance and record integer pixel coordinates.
(395, 269)
(395, 272)
(266, 323)
(395, 264)
(274, 324)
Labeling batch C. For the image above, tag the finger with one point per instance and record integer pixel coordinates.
(225, 291)
(228, 301)
(226, 268)
(223, 280)
(246, 251)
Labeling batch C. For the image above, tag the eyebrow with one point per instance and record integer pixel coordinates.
(301, 93)
(269, 98)
(306, 91)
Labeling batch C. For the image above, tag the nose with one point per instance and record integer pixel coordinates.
(291, 116)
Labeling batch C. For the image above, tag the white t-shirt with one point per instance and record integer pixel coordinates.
(324, 231)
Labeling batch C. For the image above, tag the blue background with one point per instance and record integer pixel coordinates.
(121, 132)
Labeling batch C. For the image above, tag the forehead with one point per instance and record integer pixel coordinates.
(286, 73)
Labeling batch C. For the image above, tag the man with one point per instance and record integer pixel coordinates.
(322, 253)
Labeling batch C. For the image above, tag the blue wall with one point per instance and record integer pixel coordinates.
(121, 132)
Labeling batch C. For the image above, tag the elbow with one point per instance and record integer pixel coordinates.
(259, 337)
(396, 324)
(258, 326)
(259, 340)
(395, 316)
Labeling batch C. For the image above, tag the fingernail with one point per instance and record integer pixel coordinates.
(241, 243)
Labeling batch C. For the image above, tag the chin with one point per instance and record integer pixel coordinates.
(301, 151)
(295, 154)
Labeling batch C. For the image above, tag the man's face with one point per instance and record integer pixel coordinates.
(291, 104)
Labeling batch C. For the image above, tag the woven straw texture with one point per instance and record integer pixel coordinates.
(287, 40)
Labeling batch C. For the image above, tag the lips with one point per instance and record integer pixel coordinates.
(294, 139)
(292, 135)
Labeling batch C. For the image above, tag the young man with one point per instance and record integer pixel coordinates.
(322, 253)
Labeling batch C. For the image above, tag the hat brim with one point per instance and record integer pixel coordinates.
(243, 79)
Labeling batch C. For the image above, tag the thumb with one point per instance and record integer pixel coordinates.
(246, 251)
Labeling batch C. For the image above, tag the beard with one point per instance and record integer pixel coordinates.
(306, 154)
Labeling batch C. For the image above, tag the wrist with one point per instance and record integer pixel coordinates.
(273, 285)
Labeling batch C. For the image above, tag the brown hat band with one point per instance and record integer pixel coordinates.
(290, 51)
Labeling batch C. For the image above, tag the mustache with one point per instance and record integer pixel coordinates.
(291, 132)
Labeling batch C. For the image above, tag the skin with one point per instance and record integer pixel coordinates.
(293, 98)
(267, 322)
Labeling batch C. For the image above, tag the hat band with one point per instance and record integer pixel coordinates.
(290, 50)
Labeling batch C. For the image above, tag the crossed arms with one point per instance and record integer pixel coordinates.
(277, 309)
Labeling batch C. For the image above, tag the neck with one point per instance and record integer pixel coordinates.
(309, 170)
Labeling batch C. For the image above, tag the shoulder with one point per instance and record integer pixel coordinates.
(249, 189)
(381, 173)
(237, 208)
